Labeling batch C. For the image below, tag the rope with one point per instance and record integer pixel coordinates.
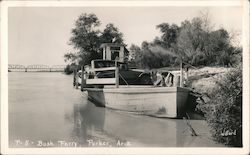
(190, 65)
(193, 133)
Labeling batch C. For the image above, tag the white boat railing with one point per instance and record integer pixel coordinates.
(89, 77)
(102, 69)
(96, 80)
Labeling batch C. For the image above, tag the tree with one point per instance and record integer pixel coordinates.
(151, 56)
(190, 40)
(134, 51)
(136, 56)
(86, 39)
(199, 45)
(111, 34)
(194, 41)
(169, 34)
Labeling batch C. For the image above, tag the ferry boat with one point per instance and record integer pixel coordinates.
(110, 83)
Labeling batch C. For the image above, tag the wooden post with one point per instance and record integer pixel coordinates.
(186, 75)
(77, 76)
(116, 75)
(74, 77)
(176, 81)
(181, 74)
(83, 81)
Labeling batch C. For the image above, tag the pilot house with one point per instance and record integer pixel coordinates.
(113, 51)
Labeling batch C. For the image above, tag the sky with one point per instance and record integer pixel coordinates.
(40, 35)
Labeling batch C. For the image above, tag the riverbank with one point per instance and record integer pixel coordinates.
(203, 80)
(221, 102)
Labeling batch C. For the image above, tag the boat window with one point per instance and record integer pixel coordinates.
(114, 55)
(99, 65)
(102, 64)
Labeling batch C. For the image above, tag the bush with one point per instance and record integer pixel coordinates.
(69, 69)
(223, 112)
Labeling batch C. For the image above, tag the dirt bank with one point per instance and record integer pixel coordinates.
(203, 80)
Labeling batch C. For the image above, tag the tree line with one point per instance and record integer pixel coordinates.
(194, 42)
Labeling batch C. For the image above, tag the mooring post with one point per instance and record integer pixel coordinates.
(25, 69)
(74, 77)
(186, 75)
(181, 74)
(116, 75)
(83, 81)
(77, 76)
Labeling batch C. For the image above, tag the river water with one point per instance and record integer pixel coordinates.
(46, 111)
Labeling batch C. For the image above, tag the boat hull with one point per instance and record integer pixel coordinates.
(147, 100)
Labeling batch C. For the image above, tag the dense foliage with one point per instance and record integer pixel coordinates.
(86, 39)
(193, 41)
(69, 69)
(224, 110)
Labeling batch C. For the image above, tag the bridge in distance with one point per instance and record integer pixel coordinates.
(35, 68)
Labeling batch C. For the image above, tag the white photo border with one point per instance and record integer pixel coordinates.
(140, 150)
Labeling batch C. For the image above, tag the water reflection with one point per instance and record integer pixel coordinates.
(88, 120)
(106, 125)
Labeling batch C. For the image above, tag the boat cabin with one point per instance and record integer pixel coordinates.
(113, 51)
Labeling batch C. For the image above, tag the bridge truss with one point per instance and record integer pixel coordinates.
(35, 68)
